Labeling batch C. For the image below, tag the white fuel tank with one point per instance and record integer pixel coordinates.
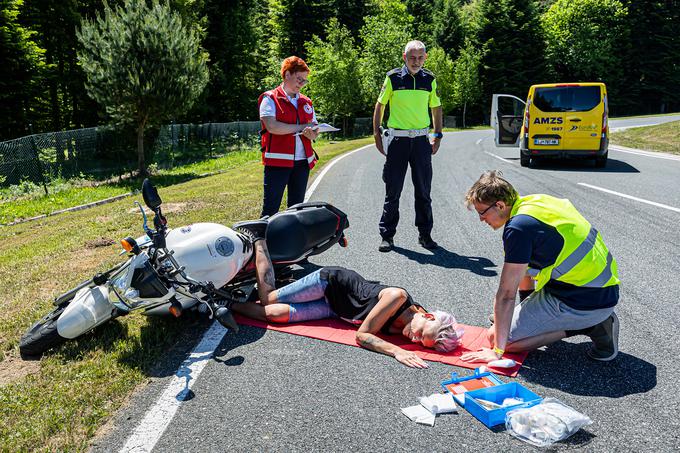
(208, 251)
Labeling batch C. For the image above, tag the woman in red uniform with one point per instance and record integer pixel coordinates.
(287, 119)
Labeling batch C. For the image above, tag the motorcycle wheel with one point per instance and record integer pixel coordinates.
(42, 335)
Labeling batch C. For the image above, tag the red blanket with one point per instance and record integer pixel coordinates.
(338, 331)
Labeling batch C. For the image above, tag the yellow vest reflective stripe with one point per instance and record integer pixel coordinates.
(584, 259)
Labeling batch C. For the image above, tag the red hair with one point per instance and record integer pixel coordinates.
(293, 64)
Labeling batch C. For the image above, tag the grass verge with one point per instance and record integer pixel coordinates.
(66, 194)
(58, 403)
(662, 137)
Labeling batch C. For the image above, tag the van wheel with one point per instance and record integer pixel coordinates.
(524, 161)
(601, 162)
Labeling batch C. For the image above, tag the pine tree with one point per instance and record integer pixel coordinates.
(20, 60)
(143, 65)
(446, 26)
(237, 61)
(652, 64)
(509, 35)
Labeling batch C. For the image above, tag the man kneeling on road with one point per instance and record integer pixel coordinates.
(576, 282)
(339, 292)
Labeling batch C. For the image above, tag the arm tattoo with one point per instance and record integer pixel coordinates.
(371, 342)
(269, 278)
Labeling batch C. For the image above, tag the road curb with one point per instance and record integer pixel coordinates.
(657, 154)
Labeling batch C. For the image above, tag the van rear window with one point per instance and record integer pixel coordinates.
(567, 99)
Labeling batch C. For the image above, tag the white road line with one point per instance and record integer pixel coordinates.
(317, 180)
(639, 152)
(641, 200)
(479, 141)
(159, 416)
(623, 128)
(499, 157)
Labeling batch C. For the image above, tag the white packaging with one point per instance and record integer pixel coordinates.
(439, 403)
(419, 414)
(545, 423)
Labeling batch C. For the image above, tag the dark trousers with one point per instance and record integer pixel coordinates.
(402, 152)
(275, 181)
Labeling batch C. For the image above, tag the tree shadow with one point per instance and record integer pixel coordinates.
(581, 165)
(450, 260)
(162, 180)
(625, 375)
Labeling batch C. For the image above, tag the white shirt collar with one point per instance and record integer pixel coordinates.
(289, 96)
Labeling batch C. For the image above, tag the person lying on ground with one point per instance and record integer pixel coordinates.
(339, 292)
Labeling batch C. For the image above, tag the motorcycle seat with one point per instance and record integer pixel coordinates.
(292, 233)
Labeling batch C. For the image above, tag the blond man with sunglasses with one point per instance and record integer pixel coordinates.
(567, 278)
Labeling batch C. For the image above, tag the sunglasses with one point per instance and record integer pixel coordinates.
(301, 81)
(481, 214)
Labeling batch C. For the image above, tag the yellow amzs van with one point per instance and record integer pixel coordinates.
(559, 120)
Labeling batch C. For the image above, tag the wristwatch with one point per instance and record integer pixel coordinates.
(437, 135)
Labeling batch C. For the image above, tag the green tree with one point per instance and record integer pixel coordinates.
(334, 76)
(446, 26)
(422, 13)
(442, 66)
(237, 64)
(63, 101)
(20, 59)
(383, 36)
(143, 65)
(509, 35)
(466, 84)
(585, 39)
(652, 64)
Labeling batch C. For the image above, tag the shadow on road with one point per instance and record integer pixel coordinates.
(229, 343)
(584, 165)
(450, 260)
(565, 366)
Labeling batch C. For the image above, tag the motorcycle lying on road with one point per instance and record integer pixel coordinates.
(203, 266)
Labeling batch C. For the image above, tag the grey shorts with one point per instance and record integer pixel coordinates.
(542, 313)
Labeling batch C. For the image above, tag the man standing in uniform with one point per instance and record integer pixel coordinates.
(411, 92)
(566, 276)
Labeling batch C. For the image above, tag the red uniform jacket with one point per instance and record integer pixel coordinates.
(279, 150)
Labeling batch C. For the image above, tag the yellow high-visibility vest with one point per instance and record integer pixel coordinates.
(584, 259)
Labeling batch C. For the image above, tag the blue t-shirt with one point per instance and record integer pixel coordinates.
(528, 240)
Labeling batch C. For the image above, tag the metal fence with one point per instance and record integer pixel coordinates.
(41, 157)
(101, 152)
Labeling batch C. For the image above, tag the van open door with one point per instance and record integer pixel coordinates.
(507, 113)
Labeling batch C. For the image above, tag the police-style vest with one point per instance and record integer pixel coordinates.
(584, 259)
(279, 150)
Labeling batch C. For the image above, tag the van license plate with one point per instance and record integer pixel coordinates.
(546, 141)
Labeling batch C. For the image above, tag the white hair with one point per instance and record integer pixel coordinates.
(414, 45)
(449, 333)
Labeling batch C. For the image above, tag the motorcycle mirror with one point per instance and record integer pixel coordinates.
(150, 195)
(225, 318)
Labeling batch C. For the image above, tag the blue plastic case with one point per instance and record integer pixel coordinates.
(496, 395)
(455, 379)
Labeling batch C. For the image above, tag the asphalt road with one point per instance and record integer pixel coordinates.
(269, 391)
